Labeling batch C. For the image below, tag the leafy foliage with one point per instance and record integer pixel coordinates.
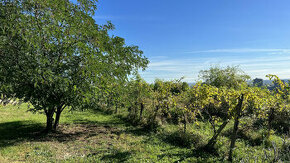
(54, 55)
(230, 77)
(216, 104)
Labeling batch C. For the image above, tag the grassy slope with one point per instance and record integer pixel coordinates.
(97, 137)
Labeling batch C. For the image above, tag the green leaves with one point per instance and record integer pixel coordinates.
(53, 53)
(230, 77)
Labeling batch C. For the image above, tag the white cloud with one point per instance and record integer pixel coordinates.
(255, 65)
(243, 50)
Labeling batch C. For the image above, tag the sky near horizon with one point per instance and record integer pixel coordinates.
(182, 37)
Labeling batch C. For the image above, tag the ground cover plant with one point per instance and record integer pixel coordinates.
(101, 137)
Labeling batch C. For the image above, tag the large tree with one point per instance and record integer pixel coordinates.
(54, 55)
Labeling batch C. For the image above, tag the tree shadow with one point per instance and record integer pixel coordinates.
(138, 131)
(18, 131)
(15, 132)
(104, 123)
(12, 133)
(182, 155)
(117, 156)
(198, 155)
(181, 139)
(246, 135)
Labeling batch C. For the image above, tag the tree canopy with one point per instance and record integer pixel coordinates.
(54, 55)
(230, 77)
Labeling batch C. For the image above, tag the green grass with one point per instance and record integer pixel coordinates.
(98, 137)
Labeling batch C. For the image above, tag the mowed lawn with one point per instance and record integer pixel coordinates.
(82, 137)
(93, 136)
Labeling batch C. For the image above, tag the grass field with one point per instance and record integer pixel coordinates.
(99, 137)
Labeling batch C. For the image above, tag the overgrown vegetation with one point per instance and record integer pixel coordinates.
(55, 57)
(172, 102)
(94, 136)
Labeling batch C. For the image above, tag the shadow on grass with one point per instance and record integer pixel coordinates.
(197, 155)
(139, 131)
(250, 136)
(118, 156)
(181, 139)
(103, 123)
(18, 131)
(176, 138)
(192, 142)
(12, 133)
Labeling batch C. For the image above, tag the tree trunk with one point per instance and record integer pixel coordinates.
(212, 141)
(57, 117)
(236, 127)
(116, 109)
(136, 111)
(155, 114)
(49, 120)
(270, 120)
(233, 139)
(153, 119)
(141, 110)
(184, 122)
(56, 122)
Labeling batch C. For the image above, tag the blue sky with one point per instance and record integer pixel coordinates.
(182, 37)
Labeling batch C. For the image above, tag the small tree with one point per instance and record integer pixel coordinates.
(278, 103)
(54, 55)
(162, 99)
(227, 81)
(193, 101)
(138, 93)
(230, 77)
(247, 100)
